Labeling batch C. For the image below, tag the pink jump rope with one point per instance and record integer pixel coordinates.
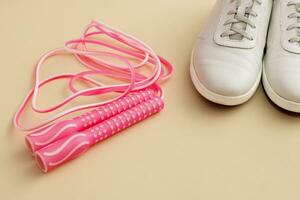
(54, 143)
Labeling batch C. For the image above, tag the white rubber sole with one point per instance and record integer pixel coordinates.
(276, 98)
(220, 99)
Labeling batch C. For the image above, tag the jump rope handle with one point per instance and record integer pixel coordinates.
(72, 146)
(41, 139)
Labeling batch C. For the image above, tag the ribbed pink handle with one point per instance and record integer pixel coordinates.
(38, 140)
(72, 146)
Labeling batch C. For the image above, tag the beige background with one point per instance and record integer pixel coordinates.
(193, 150)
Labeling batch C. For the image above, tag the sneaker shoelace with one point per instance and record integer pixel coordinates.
(240, 20)
(296, 25)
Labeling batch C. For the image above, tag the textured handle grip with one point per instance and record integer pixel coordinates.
(62, 151)
(70, 147)
(38, 140)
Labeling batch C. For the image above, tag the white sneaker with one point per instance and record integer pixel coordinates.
(281, 74)
(226, 63)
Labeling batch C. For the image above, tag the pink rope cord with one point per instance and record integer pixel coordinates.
(128, 55)
(105, 52)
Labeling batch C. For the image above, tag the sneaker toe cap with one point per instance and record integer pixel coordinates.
(226, 79)
(284, 80)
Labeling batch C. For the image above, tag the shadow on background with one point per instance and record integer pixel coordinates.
(279, 109)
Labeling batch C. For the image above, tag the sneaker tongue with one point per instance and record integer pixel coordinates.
(241, 10)
(244, 3)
